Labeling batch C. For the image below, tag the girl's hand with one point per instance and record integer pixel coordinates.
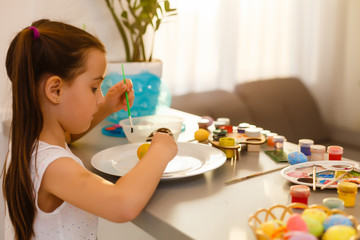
(115, 98)
(163, 146)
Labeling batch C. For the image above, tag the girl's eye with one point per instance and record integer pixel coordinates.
(94, 89)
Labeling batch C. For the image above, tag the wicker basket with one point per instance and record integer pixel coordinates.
(282, 212)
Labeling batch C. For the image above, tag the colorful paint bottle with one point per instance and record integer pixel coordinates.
(347, 192)
(228, 128)
(270, 139)
(203, 123)
(279, 142)
(317, 152)
(299, 194)
(241, 127)
(227, 142)
(305, 145)
(335, 152)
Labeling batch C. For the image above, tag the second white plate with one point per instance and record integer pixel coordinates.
(192, 159)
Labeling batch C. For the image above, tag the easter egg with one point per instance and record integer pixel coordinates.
(201, 135)
(339, 232)
(315, 213)
(142, 150)
(296, 157)
(336, 219)
(268, 228)
(297, 235)
(315, 227)
(296, 223)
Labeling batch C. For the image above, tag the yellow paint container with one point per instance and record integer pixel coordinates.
(347, 192)
(227, 142)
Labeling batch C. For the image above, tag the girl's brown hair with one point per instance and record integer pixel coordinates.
(60, 50)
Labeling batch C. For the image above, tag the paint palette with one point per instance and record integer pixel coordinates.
(326, 171)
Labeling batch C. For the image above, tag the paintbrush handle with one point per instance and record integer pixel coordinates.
(334, 180)
(254, 175)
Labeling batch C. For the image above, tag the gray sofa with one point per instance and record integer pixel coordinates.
(281, 105)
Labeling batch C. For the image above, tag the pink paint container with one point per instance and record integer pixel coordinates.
(335, 152)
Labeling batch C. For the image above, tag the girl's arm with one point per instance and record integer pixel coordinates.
(119, 202)
(114, 101)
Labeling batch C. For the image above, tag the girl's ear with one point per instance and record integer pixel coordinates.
(53, 89)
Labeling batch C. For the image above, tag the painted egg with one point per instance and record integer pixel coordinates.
(297, 235)
(339, 232)
(201, 135)
(296, 157)
(296, 223)
(268, 228)
(337, 219)
(315, 213)
(315, 227)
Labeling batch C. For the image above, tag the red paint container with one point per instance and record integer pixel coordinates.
(335, 152)
(228, 128)
(299, 194)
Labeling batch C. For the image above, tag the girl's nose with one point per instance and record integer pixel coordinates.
(100, 98)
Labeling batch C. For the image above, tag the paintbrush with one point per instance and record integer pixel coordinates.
(334, 180)
(254, 175)
(314, 178)
(127, 101)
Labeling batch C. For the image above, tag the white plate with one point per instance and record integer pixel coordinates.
(294, 173)
(192, 159)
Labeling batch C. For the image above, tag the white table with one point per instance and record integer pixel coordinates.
(203, 207)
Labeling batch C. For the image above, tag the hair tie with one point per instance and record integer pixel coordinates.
(36, 33)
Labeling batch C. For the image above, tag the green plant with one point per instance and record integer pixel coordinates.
(135, 17)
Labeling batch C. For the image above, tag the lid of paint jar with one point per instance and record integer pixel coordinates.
(335, 150)
(317, 148)
(279, 138)
(271, 135)
(226, 121)
(300, 191)
(347, 187)
(306, 142)
(226, 141)
(252, 132)
(243, 125)
(333, 202)
(265, 132)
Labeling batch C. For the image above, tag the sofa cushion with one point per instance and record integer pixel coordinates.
(284, 106)
(217, 103)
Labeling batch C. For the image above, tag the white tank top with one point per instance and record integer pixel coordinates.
(66, 222)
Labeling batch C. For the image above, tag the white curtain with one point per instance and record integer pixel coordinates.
(215, 44)
(218, 43)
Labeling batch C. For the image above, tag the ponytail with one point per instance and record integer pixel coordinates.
(56, 48)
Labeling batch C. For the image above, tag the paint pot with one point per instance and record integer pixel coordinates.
(227, 142)
(333, 203)
(347, 192)
(218, 133)
(203, 123)
(335, 152)
(270, 139)
(279, 142)
(305, 145)
(317, 152)
(241, 127)
(218, 124)
(228, 128)
(226, 121)
(299, 194)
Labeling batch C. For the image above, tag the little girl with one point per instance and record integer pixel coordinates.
(56, 71)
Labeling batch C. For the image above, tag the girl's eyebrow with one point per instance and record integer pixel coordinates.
(99, 78)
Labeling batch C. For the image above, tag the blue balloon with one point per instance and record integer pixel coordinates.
(150, 94)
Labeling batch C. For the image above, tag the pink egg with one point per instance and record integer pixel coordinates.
(296, 223)
(297, 235)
